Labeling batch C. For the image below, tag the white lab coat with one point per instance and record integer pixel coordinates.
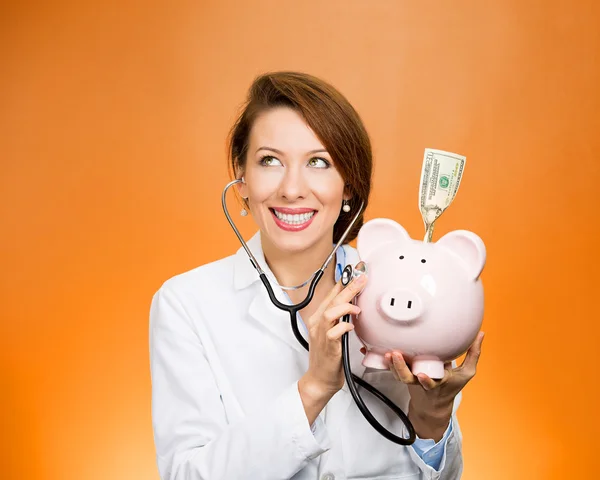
(225, 403)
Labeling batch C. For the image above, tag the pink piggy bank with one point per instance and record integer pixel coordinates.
(423, 299)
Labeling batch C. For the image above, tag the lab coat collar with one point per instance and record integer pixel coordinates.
(244, 273)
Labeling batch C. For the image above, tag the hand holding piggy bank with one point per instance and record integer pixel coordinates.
(423, 299)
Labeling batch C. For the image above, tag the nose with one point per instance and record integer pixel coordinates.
(402, 305)
(293, 184)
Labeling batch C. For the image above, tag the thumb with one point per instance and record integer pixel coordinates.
(469, 366)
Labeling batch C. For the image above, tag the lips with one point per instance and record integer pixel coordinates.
(293, 219)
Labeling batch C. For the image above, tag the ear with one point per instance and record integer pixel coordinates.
(242, 188)
(468, 247)
(376, 233)
(347, 193)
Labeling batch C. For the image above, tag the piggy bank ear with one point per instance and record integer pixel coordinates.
(378, 232)
(468, 247)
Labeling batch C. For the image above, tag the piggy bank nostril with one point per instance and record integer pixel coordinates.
(409, 303)
(392, 301)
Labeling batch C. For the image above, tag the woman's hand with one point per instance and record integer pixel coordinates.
(325, 330)
(431, 401)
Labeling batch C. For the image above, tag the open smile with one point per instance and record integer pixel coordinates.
(293, 219)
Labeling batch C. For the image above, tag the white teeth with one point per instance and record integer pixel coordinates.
(297, 219)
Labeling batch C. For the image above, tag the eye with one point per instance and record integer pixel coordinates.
(401, 257)
(423, 260)
(318, 162)
(269, 161)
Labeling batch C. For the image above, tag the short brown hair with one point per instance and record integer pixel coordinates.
(329, 115)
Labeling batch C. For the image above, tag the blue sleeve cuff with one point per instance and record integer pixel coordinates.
(429, 451)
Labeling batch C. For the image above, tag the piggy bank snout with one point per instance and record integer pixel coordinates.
(401, 304)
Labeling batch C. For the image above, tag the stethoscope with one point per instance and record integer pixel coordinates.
(347, 275)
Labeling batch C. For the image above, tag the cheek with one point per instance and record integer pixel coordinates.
(329, 190)
(261, 185)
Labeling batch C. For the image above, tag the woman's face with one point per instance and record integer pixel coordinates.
(293, 189)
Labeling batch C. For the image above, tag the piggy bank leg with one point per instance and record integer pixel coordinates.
(431, 366)
(375, 360)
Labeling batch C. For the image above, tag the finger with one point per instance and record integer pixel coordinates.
(469, 365)
(348, 293)
(390, 362)
(393, 370)
(333, 314)
(335, 333)
(337, 288)
(404, 373)
(427, 382)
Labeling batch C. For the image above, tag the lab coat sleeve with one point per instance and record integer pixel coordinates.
(193, 439)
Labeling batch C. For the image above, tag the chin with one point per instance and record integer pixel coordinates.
(293, 242)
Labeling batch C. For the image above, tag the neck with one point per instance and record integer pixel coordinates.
(291, 269)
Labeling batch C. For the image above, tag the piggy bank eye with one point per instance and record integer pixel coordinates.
(401, 257)
(423, 260)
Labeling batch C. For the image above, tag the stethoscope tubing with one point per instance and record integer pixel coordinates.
(351, 379)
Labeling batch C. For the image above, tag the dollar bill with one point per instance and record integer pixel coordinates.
(440, 179)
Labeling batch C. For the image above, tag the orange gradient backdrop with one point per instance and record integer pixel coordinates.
(112, 141)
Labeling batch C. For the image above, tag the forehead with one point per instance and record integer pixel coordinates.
(284, 129)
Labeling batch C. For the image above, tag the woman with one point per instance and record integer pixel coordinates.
(235, 396)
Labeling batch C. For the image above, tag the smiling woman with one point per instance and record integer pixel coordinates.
(234, 394)
(310, 120)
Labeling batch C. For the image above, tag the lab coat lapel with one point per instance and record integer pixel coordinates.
(261, 309)
(276, 321)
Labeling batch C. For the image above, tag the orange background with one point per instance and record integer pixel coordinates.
(113, 124)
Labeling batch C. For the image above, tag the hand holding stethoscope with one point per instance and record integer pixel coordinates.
(325, 330)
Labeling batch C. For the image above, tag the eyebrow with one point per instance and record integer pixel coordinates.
(318, 150)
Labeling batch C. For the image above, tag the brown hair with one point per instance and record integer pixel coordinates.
(329, 115)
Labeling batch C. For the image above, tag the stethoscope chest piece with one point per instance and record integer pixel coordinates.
(347, 275)
(353, 272)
